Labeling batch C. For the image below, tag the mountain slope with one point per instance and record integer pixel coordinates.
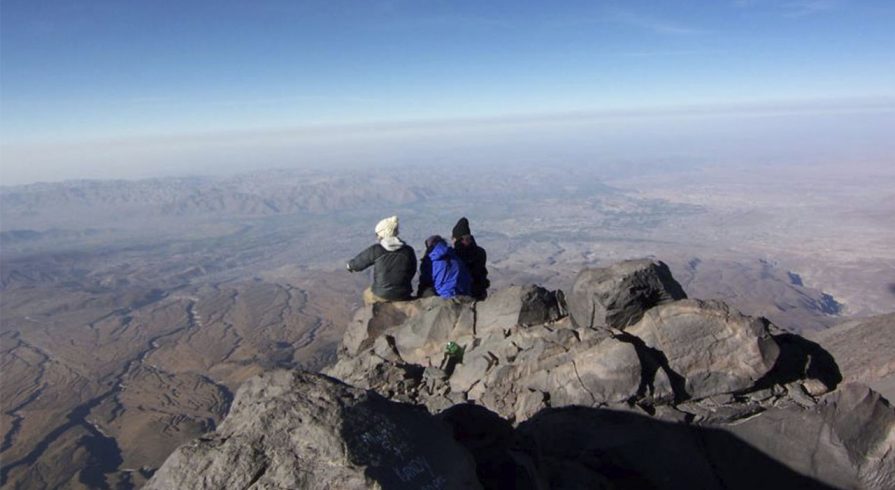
(865, 351)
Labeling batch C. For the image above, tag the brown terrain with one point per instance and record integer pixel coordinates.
(132, 311)
(864, 349)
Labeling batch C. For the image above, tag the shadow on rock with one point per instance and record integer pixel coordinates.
(407, 452)
(500, 463)
(801, 359)
(581, 447)
(651, 361)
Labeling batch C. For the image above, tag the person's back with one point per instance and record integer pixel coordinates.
(474, 257)
(442, 271)
(394, 265)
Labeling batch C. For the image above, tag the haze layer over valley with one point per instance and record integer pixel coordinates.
(132, 310)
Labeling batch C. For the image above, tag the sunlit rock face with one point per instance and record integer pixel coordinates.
(292, 429)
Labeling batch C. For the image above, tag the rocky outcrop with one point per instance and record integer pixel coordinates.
(676, 351)
(424, 335)
(370, 322)
(291, 430)
(616, 296)
(642, 388)
(713, 348)
(843, 441)
(846, 439)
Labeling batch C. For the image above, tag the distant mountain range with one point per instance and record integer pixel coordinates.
(261, 194)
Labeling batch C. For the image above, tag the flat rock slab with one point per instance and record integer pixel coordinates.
(714, 348)
(519, 305)
(422, 338)
(292, 429)
(618, 295)
(371, 321)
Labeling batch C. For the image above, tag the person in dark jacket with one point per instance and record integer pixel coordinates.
(394, 265)
(473, 256)
(442, 272)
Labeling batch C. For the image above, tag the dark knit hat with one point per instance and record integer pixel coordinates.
(461, 228)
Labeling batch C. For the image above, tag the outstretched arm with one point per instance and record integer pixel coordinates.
(364, 259)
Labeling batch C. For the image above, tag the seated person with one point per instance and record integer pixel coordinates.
(442, 272)
(473, 256)
(394, 265)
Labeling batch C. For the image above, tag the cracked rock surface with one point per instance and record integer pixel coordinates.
(302, 430)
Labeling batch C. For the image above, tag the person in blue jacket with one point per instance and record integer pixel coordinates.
(442, 272)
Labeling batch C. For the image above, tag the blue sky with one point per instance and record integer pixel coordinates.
(81, 71)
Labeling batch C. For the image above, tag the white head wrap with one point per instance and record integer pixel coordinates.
(387, 227)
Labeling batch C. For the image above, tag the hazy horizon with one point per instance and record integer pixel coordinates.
(805, 133)
(133, 90)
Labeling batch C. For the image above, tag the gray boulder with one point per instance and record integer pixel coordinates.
(532, 368)
(609, 372)
(291, 429)
(714, 348)
(519, 305)
(422, 338)
(508, 371)
(616, 296)
(472, 371)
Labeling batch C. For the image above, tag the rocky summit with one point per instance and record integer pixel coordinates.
(622, 383)
(293, 429)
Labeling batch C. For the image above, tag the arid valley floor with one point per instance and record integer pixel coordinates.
(132, 310)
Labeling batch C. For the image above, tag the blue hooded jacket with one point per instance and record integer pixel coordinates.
(446, 273)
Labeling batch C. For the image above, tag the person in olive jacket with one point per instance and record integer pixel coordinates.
(473, 256)
(394, 265)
